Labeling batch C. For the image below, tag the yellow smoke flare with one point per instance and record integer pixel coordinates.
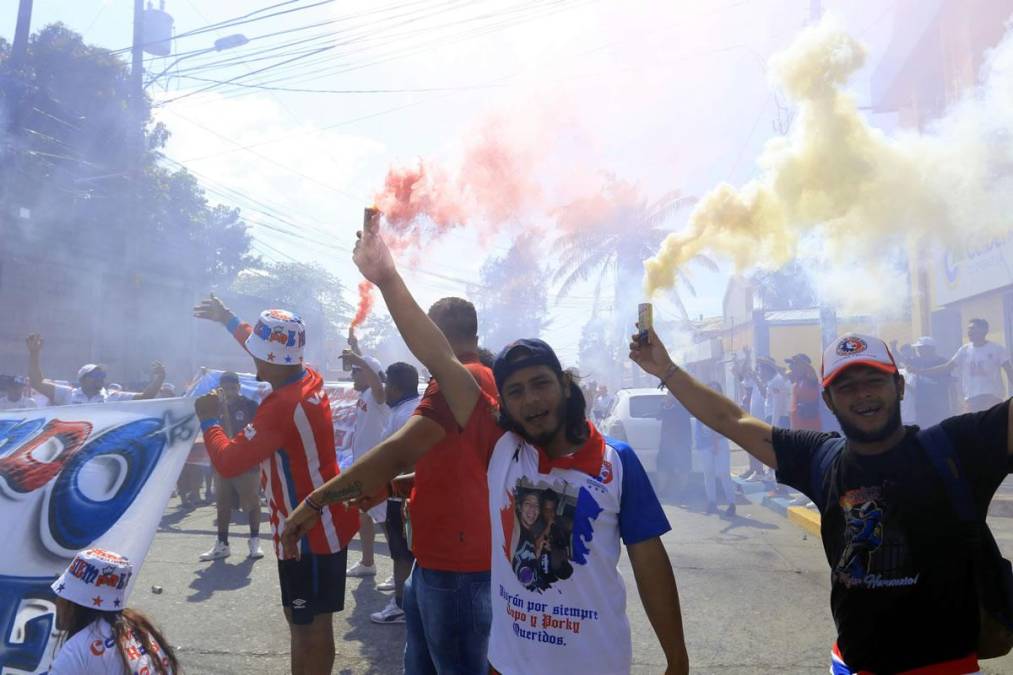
(836, 175)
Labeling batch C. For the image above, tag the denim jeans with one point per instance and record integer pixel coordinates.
(448, 616)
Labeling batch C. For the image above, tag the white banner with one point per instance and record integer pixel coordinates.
(76, 477)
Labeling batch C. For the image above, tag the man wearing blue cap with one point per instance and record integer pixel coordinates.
(561, 498)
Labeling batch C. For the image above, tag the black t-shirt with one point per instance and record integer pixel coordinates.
(240, 413)
(903, 591)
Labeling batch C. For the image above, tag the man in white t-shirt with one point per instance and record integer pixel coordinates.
(371, 416)
(12, 394)
(978, 363)
(602, 404)
(562, 501)
(91, 379)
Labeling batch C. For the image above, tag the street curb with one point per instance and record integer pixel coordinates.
(757, 493)
(806, 518)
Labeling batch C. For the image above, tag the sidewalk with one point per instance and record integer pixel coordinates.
(808, 518)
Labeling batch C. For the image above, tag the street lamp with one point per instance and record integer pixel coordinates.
(220, 45)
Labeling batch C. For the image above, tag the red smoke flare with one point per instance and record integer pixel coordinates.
(365, 303)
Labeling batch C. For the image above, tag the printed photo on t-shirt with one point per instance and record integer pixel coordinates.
(876, 553)
(547, 532)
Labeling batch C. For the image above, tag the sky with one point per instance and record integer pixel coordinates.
(665, 95)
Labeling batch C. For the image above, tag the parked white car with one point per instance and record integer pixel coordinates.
(635, 417)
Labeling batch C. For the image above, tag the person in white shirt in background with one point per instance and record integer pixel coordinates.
(602, 404)
(402, 390)
(91, 380)
(13, 396)
(103, 636)
(372, 415)
(978, 363)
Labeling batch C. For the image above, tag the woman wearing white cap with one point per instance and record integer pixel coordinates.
(103, 636)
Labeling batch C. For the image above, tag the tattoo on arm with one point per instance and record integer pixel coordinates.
(350, 491)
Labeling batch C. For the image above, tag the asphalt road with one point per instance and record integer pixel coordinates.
(755, 599)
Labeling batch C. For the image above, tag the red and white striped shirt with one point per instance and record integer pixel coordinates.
(291, 437)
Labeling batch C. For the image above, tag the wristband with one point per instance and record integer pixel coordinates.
(669, 373)
(209, 422)
(316, 506)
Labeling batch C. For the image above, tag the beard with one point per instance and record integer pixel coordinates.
(855, 434)
(546, 437)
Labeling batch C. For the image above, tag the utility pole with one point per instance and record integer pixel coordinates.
(21, 31)
(137, 76)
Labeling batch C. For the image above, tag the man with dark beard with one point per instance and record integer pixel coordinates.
(905, 556)
(539, 437)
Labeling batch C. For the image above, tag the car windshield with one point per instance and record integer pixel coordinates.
(646, 406)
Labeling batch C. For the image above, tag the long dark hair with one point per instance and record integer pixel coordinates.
(127, 624)
(575, 412)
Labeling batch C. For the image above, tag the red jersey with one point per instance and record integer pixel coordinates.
(291, 437)
(805, 405)
(449, 503)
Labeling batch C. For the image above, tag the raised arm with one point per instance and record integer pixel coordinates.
(942, 368)
(35, 378)
(375, 384)
(215, 310)
(155, 386)
(369, 475)
(711, 408)
(353, 341)
(423, 338)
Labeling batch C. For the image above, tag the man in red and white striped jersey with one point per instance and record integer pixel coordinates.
(291, 438)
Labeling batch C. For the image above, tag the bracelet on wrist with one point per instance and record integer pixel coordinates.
(672, 370)
(313, 504)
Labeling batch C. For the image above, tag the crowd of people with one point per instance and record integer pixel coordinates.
(495, 487)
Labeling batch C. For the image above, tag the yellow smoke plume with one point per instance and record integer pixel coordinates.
(835, 176)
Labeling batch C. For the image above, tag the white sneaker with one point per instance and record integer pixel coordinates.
(220, 550)
(360, 570)
(389, 614)
(255, 552)
(387, 585)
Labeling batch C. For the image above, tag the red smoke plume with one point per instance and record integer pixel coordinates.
(493, 183)
(365, 303)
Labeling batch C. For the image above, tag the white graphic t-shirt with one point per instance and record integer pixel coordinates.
(558, 599)
(980, 369)
(370, 419)
(93, 651)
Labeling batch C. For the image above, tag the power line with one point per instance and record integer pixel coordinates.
(229, 23)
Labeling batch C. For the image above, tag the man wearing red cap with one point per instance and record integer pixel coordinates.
(902, 510)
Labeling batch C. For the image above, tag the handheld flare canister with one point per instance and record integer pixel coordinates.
(645, 322)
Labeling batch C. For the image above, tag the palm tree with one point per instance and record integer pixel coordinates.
(788, 287)
(611, 234)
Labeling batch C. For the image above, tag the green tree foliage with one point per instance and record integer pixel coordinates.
(73, 159)
(786, 288)
(304, 288)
